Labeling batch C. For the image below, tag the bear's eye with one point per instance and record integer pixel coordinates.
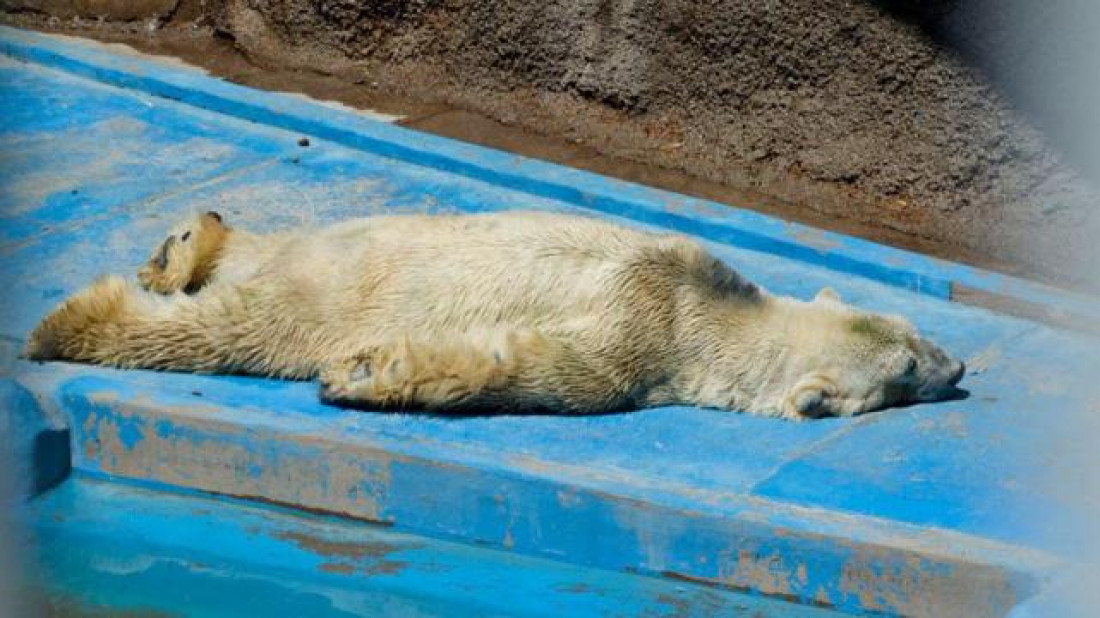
(910, 366)
(186, 235)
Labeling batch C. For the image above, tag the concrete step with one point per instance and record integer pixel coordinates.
(637, 493)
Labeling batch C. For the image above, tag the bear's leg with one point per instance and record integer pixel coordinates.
(115, 323)
(517, 369)
(84, 326)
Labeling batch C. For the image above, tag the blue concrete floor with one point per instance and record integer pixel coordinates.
(878, 513)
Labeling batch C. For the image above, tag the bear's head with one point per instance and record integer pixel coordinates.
(185, 260)
(844, 362)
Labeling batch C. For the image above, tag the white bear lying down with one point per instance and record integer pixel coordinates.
(516, 311)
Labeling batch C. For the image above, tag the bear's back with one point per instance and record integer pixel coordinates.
(418, 272)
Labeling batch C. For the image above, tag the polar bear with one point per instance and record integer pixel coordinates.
(517, 311)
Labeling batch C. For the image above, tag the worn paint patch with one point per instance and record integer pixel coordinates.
(369, 558)
(879, 588)
(342, 549)
(818, 239)
(118, 441)
(337, 567)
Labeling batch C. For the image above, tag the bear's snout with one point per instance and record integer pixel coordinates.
(957, 374)
(942, 385)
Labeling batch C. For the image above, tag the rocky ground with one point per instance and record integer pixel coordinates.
(880, 118)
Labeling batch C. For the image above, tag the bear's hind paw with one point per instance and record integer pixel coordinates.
(70, 331)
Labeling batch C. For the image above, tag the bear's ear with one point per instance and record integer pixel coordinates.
(827, 293)
(215, 216)
(809, 397)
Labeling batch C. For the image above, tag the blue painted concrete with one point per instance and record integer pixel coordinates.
(34, 454)
(930, 507)
(108, 546)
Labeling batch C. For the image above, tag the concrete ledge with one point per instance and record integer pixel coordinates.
(701, 218)
(303, 455)
(35, 443)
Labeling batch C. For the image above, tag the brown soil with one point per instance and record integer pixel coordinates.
(844, 115)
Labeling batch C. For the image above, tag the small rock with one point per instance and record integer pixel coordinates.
(304, 142)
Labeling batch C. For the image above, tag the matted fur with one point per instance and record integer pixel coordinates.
(517, 310)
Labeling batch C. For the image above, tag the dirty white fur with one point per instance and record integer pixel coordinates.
(517, 310)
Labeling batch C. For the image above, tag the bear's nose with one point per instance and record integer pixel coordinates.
(958, 373)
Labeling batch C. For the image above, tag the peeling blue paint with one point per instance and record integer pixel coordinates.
(164, 429)
(130, 432)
